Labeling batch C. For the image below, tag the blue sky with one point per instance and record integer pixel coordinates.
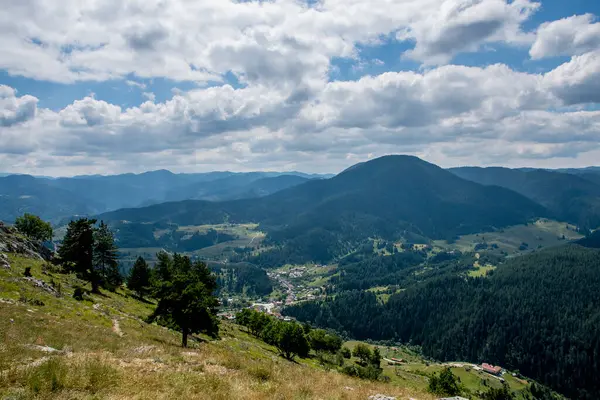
(286, 85)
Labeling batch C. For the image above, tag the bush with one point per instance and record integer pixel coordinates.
(34, 227)
(260, 373)
(346, 353)
(78, 294)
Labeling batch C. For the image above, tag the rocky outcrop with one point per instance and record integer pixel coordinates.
(11, 241)
(4, 261)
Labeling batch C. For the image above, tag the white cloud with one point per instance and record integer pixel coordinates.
(286, 113)
(577, 81)
(282, 42)
(15, 110)
(574, 35)
(485, 115)
(464, 26)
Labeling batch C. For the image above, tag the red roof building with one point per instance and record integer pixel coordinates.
(490, 369)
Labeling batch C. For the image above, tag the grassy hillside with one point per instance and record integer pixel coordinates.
(58, 348)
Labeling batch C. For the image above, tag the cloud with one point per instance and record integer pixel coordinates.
(487, 115)
(15, 110)
(285, 111)
(139, 85)
(577, 81)
(574, 35)
(464, 26)
(282, 42)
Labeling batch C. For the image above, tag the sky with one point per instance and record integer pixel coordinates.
(113, 86)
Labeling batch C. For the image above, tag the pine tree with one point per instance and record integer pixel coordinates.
(77, 251)
(139, 278)
(185, 294)
(105, 257)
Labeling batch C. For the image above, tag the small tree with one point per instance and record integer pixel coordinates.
(186, 298)
(77, 251)
(34, 227)
(105, 257)
(320, 340)
(291, 340)
(363, 353)
(503, 393)
(139, 278)
(375, 358)
(445, 384)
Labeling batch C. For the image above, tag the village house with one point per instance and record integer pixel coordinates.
(490, 369)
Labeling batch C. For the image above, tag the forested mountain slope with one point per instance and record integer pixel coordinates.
(571, 197)
(386, 197)
(538, 313)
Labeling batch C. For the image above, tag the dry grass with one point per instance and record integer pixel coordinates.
(93, 362)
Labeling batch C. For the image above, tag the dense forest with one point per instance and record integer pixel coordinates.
(539, 314)
(241, 278)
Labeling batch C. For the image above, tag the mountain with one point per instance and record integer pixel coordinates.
(23, 193)
(573, 198)
(257, 188)
(387, 197)
(59, 198)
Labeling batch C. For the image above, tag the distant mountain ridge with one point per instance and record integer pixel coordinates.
(57, 198)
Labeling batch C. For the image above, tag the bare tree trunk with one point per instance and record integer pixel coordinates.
(184, 337)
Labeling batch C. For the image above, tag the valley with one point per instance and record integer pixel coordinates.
(428, 267)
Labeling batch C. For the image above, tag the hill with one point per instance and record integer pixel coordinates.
(537, 313)
(389, 197)
(570, 197)
(54, 347)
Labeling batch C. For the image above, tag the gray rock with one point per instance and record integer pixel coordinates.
(11, 241)
(381, 397)
(4, 261)
(42, 285)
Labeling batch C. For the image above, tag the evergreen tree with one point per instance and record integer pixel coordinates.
(77, 251)
(445, 384)
(105, 257)
(186, 300)
(139, 278)
(34, 227)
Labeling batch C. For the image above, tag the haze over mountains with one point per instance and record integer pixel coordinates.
(55, 199)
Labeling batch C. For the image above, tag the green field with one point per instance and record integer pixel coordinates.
(542, 233)
(414, 372)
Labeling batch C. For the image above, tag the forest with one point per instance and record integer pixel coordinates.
(538, 314)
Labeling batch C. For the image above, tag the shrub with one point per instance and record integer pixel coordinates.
(78, 294)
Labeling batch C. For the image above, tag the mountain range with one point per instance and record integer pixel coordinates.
(57, 198)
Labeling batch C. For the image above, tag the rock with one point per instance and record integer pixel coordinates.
(4, 261)
(45, 349)
(42, 285)
(381, 397)
(13, 242)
